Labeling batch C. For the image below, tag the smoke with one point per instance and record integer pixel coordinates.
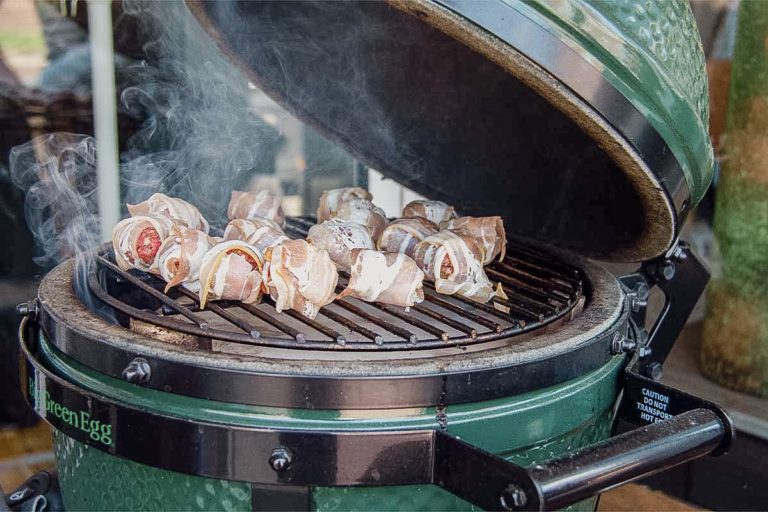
(200, 138)
(58, 174)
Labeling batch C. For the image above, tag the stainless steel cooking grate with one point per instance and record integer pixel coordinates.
(541, 290)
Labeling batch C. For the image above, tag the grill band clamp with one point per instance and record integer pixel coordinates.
(375, 458)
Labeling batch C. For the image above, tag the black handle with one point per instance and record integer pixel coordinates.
(628, 457)
(496, 484)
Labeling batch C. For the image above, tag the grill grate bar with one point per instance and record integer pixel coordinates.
(223, 313)
(521, 285)
(485, 307)
(149, 290)
(274, 322)
(394, 329)
(574, 282)
(466, 329)
(478, 319)
(346, 322)
(420, 324)
(328, 331)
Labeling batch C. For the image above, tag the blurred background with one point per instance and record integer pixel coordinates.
(45, 86)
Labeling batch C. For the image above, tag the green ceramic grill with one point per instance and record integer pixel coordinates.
(583, 123)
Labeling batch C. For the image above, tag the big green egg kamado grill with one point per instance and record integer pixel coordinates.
(584, 124)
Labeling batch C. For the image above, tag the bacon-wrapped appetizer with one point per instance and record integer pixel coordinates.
(454, 263)
(436, 212)
(260, 233)
(249, 205)
(339, 238)
(363, 212)
(300, 276)
(402, 235)
(174, 208)
(136, 240)
(332, 199)
(390, 278)
(181, 255)
(488, 232)
(231, 271)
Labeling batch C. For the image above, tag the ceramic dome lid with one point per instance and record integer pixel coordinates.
(583, 123)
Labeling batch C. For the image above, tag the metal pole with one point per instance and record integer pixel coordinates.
(104, 113)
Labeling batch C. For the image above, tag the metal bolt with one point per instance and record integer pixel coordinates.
(513, 497)
(642, 291)
(280, 459)
(636, 304)
(621, 344)
(28, 309)
(138, 371)
(654, 371)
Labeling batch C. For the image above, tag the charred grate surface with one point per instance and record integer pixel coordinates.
(541, 290)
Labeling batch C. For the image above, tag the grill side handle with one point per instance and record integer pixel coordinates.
(697, 428)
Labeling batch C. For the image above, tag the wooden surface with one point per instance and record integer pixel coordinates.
(23, 453)
(633, 497)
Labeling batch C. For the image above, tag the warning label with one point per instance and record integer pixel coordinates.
(654, 406)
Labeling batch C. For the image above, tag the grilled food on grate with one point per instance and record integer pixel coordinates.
(330, 200)
(181, 255)
(402, 235)
(259, 232)
(174, 208)
(340, 238)
(389, 278)
(136, 240)
(231, 270)
(249, 205)
(300, 276)
(435, 212)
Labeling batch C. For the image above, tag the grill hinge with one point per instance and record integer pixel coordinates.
(682, 277)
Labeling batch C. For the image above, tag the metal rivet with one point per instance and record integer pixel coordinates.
(666, 271)
(513, 497)
(138, 371)
(280, 459)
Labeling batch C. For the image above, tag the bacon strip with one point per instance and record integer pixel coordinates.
(488, 232)
(231, 271)
(389, 278)
(300, 276)
(339, 238)
(364, 212)
(181, 255)
(174, 208)
(260, 233)
(250, 205)
(137, 240)
(454, 263)
(402, 235)
(332, 199)
(434, 211)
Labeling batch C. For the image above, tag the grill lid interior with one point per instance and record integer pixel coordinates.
(420, 105)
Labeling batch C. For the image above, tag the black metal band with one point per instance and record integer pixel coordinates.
(585, 80)
(328, 392)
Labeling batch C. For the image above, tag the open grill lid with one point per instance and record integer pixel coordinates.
(499, 107)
